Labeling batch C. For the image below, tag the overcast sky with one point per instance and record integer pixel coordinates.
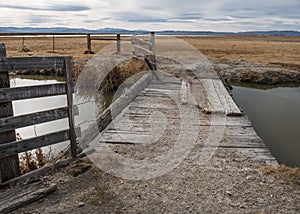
(202, 15)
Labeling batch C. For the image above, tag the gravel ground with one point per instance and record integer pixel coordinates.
(190, 188)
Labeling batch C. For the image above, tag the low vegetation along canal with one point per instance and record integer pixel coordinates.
(274, 112)
(275, 115)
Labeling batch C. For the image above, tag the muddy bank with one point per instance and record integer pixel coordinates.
(269, 74)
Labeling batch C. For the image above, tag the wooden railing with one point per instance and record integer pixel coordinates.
(143, 45)
(9, 147)
(89, 42)
(89, 38)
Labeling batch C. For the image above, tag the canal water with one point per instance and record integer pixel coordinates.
(87, 111)
(275, 115)
(40, 104)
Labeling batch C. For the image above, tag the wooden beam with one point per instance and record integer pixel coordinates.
(53, 44)
(47, 169)
(9, 167)
(72, 135)
(27, 92)
(12, 123)
(118, 43)
(152, 40)
(136, 40)
(99, 38)
(89, 44)
(139, 51)
(23, 195)
(31, 63)
(13, 148)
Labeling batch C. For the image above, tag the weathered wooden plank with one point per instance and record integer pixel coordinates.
(47, 169)
(21, 196)
(219, 101)
(9, 167)
(99, 38)
(184, 90)
(139, 51)
(114, 109)
(13, 148)
(72, 133)
(12, 123)
(27, 92)
(139, 41)
(118, 43)
(31, 63)
(152, 41)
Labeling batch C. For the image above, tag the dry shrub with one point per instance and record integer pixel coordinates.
(121, 72)
(24, 48)
(288, 175)
(30, 160)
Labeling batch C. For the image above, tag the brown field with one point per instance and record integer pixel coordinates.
(63, 46)
(272, 50)
(254, 49)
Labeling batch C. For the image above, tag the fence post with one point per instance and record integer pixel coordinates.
(69, 85)
(9, 167)
(53, 44)
(118, 43)
(89, 44)
(152, 40)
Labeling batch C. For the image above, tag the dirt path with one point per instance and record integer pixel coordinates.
(231, 188)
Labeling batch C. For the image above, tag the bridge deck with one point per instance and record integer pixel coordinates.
(165, 119)
(186, 114)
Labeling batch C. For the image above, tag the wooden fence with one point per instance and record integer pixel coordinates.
(143, 45)
(89, 42)
(9, 147)
(89, 38)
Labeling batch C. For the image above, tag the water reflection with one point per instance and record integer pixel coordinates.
(28, 106)
(275, 115)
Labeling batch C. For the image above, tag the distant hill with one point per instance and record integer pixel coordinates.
(125, 31)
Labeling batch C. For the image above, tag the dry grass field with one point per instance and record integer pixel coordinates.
(253, 58)
(255, 49)
(63, 46)
(278, 50)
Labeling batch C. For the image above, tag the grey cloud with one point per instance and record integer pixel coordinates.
(218, 19)
(68, 8)
(36, 19)
(151, 8)
(149, 19)
(190, 15)
(49, 8)
(137, 17)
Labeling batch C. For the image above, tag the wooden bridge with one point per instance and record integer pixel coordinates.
(177, 119)
(178, 109)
